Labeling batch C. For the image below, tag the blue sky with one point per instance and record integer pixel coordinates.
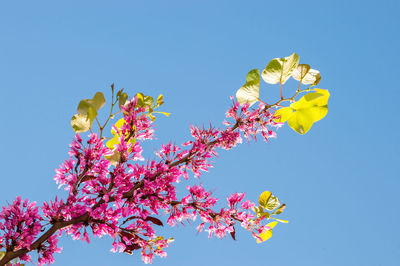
(340, 180)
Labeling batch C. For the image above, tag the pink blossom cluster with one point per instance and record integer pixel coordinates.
(125, 200)
(136, 119)
(47, 249)
(200, 202)
(253, 121)
(19, 224)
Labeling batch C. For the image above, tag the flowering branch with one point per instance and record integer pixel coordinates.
(112, 194)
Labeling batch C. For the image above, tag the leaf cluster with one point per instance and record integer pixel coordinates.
(300, 115)
(87, 113)
(268, 208)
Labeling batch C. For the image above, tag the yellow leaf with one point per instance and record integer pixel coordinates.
(309, 109)
(118, 125)
(112, 142)
(318, 98)
(160, 100)
(265, 236)
(300, 122)
(284, 114)
(272, 224)
(164, 113)
(264, 197)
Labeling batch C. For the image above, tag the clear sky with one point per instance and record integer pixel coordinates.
(340, 180)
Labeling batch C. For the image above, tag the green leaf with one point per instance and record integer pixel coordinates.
(2, 254)
(265, 236)
(313, 77)
(89, 108)
(300, 71)
(268, 201)
(273, 203)
(148, 100)
(80, 123)
(260, 213)
(306, 75)
(122, 99)
(265, 214)
(119, 93)
(264, 198)
(310, 108)
(253, 75)
(250, 92)
(98, 100)
(258, 209)
(140, 99)
(85, 107)
(283, 114)
(279, 70)
(96, 103)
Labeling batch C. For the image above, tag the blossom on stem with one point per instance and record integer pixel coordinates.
(20, 223)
